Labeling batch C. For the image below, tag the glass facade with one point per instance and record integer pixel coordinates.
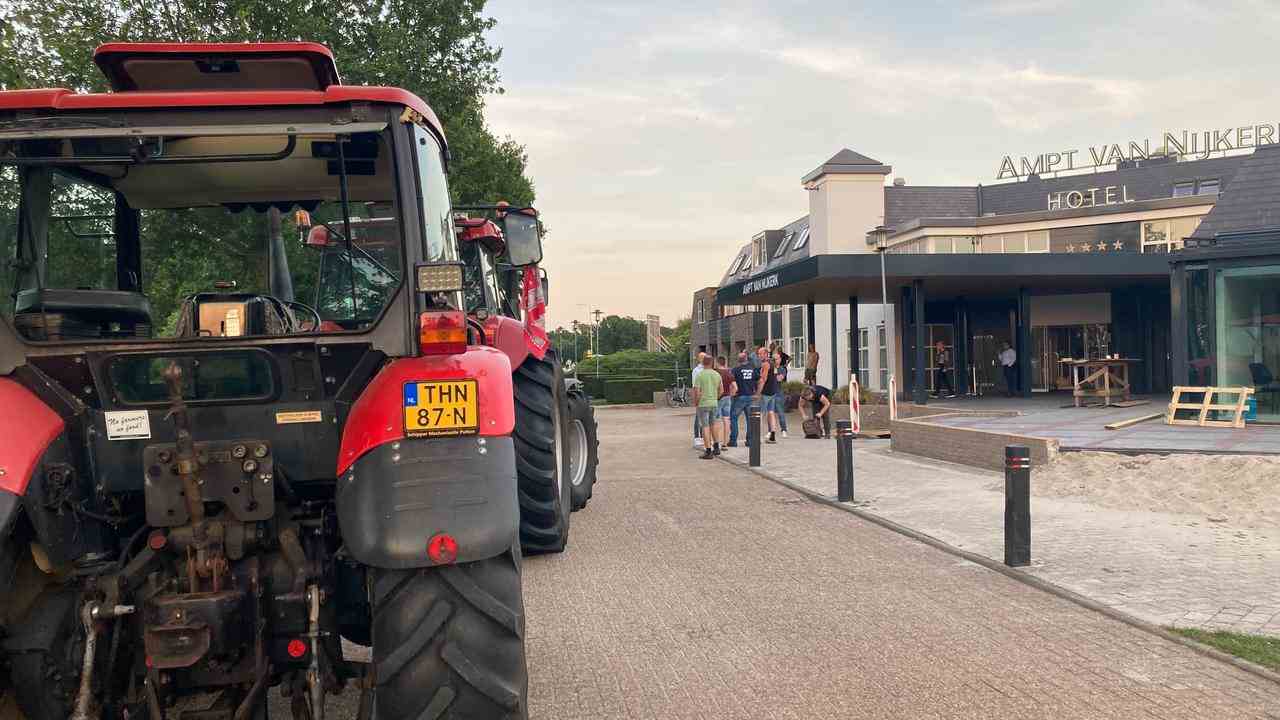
(1248, 333)
(1035, 241)
(1199, 327)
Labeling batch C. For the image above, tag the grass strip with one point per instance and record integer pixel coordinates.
(1264, 651)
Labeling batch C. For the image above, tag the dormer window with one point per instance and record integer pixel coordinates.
(737, 264)
(802, 240)
(760, 252)
(782, 246)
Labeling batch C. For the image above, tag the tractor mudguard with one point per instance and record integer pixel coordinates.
(399, 496)
(28, 427)
(378, 416)
(395, 492)
(509, 336)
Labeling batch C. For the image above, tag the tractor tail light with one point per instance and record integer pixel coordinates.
(442, 549)
(442, 333)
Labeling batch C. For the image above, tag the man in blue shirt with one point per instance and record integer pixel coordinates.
(745, 376)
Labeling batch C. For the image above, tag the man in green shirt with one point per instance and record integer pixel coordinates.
(706, 396)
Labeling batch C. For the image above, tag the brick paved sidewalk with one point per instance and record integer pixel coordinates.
(1168, 569)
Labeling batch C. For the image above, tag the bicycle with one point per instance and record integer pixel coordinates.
(678, 395)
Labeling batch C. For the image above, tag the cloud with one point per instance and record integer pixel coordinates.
(1019, 7)
(1019, 97)
(647, 172)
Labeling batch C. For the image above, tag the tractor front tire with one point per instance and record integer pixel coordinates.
(584, 449)
(542, 424)
(448, 642)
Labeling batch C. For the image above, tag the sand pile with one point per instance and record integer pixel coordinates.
(1237, 490)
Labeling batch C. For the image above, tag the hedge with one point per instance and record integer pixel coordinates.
(631, 391)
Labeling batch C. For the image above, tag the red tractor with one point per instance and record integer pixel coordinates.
(203, 489)
(506, 293)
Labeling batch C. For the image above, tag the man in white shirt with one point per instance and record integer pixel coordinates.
(1009, 364)
(697, 427)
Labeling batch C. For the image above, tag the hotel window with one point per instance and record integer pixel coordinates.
(795, 321)
(884, 357)
(775, 322)
(798, 349)
(1165, 236)
(802, 240)
(702, 312)
(1184, 188)
(964, 245)
(1208, 187)
(864, 357)
(782, 246)
(942, 245)
(1038, 241)
(760, 252)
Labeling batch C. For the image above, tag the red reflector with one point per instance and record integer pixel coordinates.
(157, 541)
(442, 333)
(297, 648)
(442, 549)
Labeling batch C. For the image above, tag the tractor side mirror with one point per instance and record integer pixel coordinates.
(524, 241)
(546, 287)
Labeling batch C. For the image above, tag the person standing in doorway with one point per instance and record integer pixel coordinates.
(942, 359)
(1009, 364)
(706, 396)
(728, 389)
(811, 365)
(766, 388)
(744, 384)
(697, 425)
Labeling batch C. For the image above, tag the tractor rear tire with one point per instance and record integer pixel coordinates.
(542, 425)
(448, 642)
(584, 449)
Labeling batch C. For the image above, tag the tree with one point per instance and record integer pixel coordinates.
(621, 333)
(679, 337)
(433, 48)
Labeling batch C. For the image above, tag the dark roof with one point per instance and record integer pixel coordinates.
(1146, 182)
(1251, 201)
(849, 157)
(903, 203)
(792, 233)
(848, 161)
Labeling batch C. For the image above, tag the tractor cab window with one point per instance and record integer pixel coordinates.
(204, 232)
(437, 218)
(480, 285)
(8, 237)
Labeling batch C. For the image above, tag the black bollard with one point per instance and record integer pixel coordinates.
(1017, 505)
(844, 461)
(753, 435)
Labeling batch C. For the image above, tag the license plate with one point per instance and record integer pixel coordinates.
(439, 408)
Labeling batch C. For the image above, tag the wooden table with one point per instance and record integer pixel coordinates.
(1105, 378)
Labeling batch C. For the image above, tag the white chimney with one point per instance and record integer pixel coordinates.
(846, 200)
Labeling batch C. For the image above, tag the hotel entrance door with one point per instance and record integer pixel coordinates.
(1060, 342)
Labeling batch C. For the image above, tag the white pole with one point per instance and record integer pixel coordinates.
(888, 338)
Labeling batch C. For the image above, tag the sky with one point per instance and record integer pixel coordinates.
(663, 135)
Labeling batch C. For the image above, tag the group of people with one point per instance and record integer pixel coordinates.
(721, 394)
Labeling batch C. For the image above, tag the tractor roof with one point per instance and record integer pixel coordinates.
(193, 75)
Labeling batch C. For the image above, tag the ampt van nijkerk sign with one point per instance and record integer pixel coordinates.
(1192, 144)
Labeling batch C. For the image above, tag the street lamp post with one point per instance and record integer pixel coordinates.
(597, 315)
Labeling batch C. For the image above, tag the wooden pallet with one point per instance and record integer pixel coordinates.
(1207, 405)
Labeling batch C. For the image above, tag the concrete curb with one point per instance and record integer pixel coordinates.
(1022, 577)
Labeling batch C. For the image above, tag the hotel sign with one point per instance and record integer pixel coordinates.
(1191, 144)
(764, 283)
(1089, 197)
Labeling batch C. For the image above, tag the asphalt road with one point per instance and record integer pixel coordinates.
(693, 589)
